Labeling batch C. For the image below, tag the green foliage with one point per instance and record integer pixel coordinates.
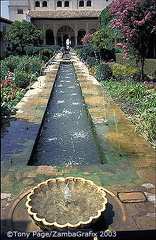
(17, 73)
(30, 64)
(27, 64)
(105, 17)
(22, 33)
(121, 72)
(86, 51)
(92, 61)
(5, 54)
(138, 101)
(45, 52)
(55, 48)
(11, 62)
(103, 38)
(22, 79)
(103, 72)
(149, 64)
(77, 47)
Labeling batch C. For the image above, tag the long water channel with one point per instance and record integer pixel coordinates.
(66, 136)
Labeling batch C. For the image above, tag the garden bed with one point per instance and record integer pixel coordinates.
(137, 100)
(17, 73)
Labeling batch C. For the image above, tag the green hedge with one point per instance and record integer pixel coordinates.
(150, 64)
(92, 61)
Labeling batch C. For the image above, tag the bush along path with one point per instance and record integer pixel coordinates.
(123, 82)
(17, 73)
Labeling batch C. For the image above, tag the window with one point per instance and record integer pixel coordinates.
(81, 4)
(19, 11)
(89, 3)
(66, 3)
(37, 4)
(59, 4)
(44, 4)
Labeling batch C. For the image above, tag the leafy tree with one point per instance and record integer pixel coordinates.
(103, 38)
(22, 33)
(136, 21)
(109, 35)
(105, 18)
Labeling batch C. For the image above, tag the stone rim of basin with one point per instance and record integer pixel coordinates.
(44, 224)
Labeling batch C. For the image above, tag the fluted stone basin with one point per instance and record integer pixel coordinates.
(66, 203)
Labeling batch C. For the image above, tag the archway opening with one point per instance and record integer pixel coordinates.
(64, 33)
(65, 37)
(80, 35)
(49, 37)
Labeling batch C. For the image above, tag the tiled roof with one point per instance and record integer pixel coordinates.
(5, 20)
(57, 14)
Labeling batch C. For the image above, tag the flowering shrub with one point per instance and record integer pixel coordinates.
(10, 93)
(124, 71)
(135, 20)
(13, 83)
(23, 79)
(87, 39)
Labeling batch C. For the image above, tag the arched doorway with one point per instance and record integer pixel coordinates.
(72, 41)
(49, 37)
(80, 35)
(65, 37)
(64, 33)
(59, 41)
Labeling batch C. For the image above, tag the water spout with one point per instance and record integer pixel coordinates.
(67, 193)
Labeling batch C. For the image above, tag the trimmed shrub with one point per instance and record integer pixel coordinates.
(91, 61)
(103, 72)
(77, 47)
(31, 50)
(86, 51)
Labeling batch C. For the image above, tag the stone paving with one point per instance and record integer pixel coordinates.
(128, 175)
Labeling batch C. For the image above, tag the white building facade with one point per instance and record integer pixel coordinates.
(60, 20)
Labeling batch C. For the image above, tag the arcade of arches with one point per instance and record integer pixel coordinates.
(64, 33)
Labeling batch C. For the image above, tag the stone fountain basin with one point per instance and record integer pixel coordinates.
(66, 203)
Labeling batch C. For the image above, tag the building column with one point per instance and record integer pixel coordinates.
(44, 34)
(55, 43)
(87, 28)
(75, 39)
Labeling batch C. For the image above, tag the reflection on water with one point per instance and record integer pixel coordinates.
(66, 136)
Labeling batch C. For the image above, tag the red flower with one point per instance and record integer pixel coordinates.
(4, 84)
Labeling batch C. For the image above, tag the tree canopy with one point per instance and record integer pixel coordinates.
(103, 38)
(22, 33)
(105, 17)
(136, 21)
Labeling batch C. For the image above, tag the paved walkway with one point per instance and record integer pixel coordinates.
(128, 176)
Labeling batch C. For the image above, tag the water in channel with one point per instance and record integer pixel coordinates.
(66, 136)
